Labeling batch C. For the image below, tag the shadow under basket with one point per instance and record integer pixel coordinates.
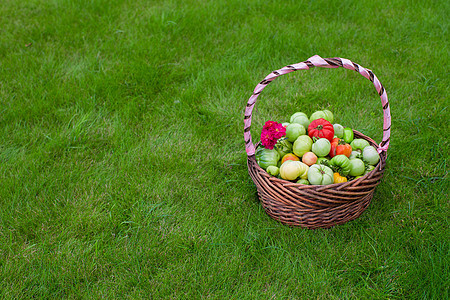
(317, 206)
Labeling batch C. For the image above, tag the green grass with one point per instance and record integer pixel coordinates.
(122, 163)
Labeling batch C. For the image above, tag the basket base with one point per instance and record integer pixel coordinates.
(313, 218)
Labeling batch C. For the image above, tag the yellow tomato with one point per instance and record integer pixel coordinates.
(338, 178)
(289, 156)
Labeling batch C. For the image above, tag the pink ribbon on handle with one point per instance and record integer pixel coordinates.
(384, 148)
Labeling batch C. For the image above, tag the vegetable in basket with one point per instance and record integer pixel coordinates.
(302, 145)
(321, 128)
(283, 146)
(339, 146)
(338, 130)
(291, 170)
(272, 170)
(266, 157)
(340, 164)
(309, 158)
(300, 118)
(348, 135)
(359, 144)
(296, 115)
(338, 178)
(289, 156)
(369, 168)
(322, 114)
(323, 161)
(294, 130)
(355, 154)
(321, 147)
(303, 181)
(370, 155)
(320, 175)
(356, 167)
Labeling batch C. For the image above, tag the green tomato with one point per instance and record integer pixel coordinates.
(321, 147)
(303, 181)
(328, 116)
(320, 174)
(368, 169)
(296, 115)
(348, 135)
(341, 164)
(323, 161)
(293, 131)
(266, 157)
(370, 155)
(338, 130)
(356, 167)
(272, 170)
(302, 145)
(359, 144)
(317, 115)
(283, 146)
(355, 154)
(302, 120)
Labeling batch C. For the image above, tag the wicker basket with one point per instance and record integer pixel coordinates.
(317, 206)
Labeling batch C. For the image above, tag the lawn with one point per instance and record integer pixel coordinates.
(123, 171)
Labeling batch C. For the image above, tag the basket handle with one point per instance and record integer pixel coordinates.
(317, 61)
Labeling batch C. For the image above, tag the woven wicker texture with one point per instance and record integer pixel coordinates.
(317, 206)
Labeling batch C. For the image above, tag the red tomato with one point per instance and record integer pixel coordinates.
(321, 128)
(339, 146)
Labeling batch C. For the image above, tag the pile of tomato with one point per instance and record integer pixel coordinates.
(313, 150)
